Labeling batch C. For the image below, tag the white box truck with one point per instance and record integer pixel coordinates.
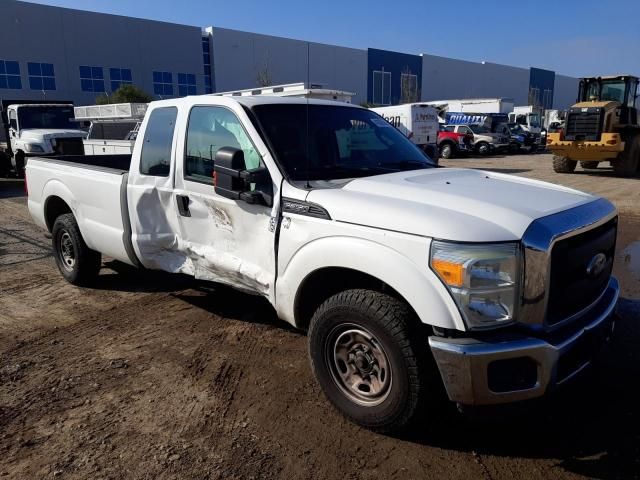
(475, 105)
(417, 121)
(528, 117)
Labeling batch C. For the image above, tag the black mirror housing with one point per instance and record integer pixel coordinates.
(228, 166)
(232, 179)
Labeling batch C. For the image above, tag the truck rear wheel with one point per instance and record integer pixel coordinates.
(628, 163)
(589, 165)
(369, 358)
(563, 164)
(78, 264)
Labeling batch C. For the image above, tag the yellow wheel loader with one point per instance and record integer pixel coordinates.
(602, 126)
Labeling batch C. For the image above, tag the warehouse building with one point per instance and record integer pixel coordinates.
(76, 55)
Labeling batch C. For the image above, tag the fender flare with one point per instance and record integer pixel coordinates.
(55, 188)
(419, 287)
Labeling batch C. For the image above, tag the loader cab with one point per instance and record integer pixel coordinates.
(622, 89)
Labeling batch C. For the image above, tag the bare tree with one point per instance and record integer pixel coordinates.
(263, 76)
(409, 91)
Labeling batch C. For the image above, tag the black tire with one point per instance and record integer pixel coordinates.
(78, 264)
(589, 165)
(5, 164)
(20, 159)
(628, 163)
(483, 148)
(396, 352)
(563, 164)
(447, 150)
(514, 148)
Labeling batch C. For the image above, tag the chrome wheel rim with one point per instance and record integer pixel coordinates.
(67, 252)
(358, 364)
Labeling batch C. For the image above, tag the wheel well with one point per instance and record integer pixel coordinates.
(451, 143)
(53, 208)
(326, 282)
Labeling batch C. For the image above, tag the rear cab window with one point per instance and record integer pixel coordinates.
(155, 159)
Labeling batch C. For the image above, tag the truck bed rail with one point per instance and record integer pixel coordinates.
(117, 163)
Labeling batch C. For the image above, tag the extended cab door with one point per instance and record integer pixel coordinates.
(150, 200)
(223, 240)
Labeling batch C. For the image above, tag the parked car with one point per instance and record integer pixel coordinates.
(484, 141)
(404, 275)
(522, 139)
(452, 143)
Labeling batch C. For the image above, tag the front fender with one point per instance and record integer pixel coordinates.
(416, 283)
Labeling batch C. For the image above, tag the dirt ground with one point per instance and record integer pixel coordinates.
(149, 375)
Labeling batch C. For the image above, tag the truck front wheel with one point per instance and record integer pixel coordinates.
(563, 164)
(78, 264)
(369, 359)
(446, 151)
(20, 160)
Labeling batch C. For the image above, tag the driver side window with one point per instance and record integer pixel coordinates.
(208, 130)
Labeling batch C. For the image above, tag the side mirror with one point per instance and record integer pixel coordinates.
(233, 180)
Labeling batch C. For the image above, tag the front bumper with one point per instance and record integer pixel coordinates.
(520, 366)
(609, 147)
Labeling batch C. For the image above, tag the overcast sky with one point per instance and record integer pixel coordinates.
(573, 37)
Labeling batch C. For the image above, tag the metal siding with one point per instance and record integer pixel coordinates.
(71, 38)
(565, 92)
(240, 56)
(446, 78)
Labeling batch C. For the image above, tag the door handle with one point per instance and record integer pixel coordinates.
(183, 205)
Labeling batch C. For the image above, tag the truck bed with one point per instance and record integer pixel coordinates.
(94, 188)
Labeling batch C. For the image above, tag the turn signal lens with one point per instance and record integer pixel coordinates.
(451, 273)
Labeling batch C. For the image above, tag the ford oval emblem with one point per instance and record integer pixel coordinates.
(596, 265)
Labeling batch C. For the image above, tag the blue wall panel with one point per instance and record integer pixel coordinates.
(541, 86)
(396, 64)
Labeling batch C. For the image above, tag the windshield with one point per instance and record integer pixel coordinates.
(343, 142)
(534, 120)
(515, 128)
(612, 90)
(479, 129)
(46, 117)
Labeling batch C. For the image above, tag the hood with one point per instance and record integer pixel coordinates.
(45, 134)
(448, 203)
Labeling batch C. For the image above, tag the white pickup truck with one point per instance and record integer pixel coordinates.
(403, 274)
(37, 129)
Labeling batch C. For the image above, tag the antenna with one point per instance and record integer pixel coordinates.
(307, 98)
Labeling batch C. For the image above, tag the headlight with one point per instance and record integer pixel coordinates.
(33, 148)
(483, 279)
